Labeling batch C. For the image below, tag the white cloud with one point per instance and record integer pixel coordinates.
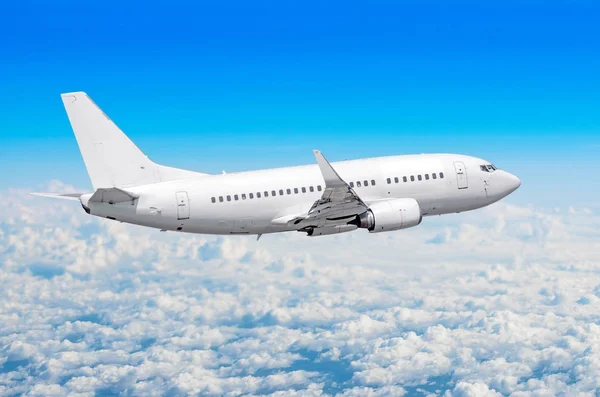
(494, 302)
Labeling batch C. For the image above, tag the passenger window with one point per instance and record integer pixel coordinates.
(319, 187)
(372, 182)
(434, 176)
(243, 196)
(405, 179)
(303, 189)
(312, 189)
(236, 197)
(420, 177)
(351, 184)
(396, 180)
(389, 181)
(257, 194)
(358, 184)
(228, 198)
(281, 192)
(251, 195)
(296, 190)
(266, 193)
(366, 183)
(220, 199)
(274, 193)
(441, 175)
(426, 177)
(213, 200)
(412, 178)
(289, 191)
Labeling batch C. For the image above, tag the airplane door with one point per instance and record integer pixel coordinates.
(461, 175)
(183, 205)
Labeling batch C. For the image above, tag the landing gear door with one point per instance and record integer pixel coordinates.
(183, 205)
(461, 175)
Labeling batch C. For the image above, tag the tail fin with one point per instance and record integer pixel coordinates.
(112, 159)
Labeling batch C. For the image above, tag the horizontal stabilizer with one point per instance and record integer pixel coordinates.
(112, 195)
(63, 196)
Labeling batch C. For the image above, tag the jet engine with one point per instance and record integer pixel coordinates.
(389, 215)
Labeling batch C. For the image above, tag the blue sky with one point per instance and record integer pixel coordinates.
(238, 86)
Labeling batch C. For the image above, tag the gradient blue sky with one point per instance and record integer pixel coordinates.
(238, 85)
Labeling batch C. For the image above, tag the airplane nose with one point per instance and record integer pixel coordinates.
(512, 182)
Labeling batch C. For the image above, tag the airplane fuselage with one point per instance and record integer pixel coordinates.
(253, 202)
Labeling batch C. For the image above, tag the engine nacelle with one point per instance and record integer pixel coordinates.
(324, 231)
(390, 215)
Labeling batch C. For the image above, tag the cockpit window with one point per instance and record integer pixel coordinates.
(488, 168)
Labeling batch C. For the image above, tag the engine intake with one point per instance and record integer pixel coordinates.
(390, 215)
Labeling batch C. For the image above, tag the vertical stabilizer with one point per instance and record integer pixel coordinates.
(111, 158)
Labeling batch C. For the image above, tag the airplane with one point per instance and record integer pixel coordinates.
(377, 194)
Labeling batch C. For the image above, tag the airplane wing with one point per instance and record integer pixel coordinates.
(338, 204)
(111, 195)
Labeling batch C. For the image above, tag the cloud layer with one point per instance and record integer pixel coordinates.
(494, 302)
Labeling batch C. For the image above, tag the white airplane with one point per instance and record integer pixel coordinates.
(378, 194)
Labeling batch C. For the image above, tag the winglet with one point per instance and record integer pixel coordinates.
(332, 179)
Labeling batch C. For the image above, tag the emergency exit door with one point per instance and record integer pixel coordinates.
(183, 205)
(461, 175)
